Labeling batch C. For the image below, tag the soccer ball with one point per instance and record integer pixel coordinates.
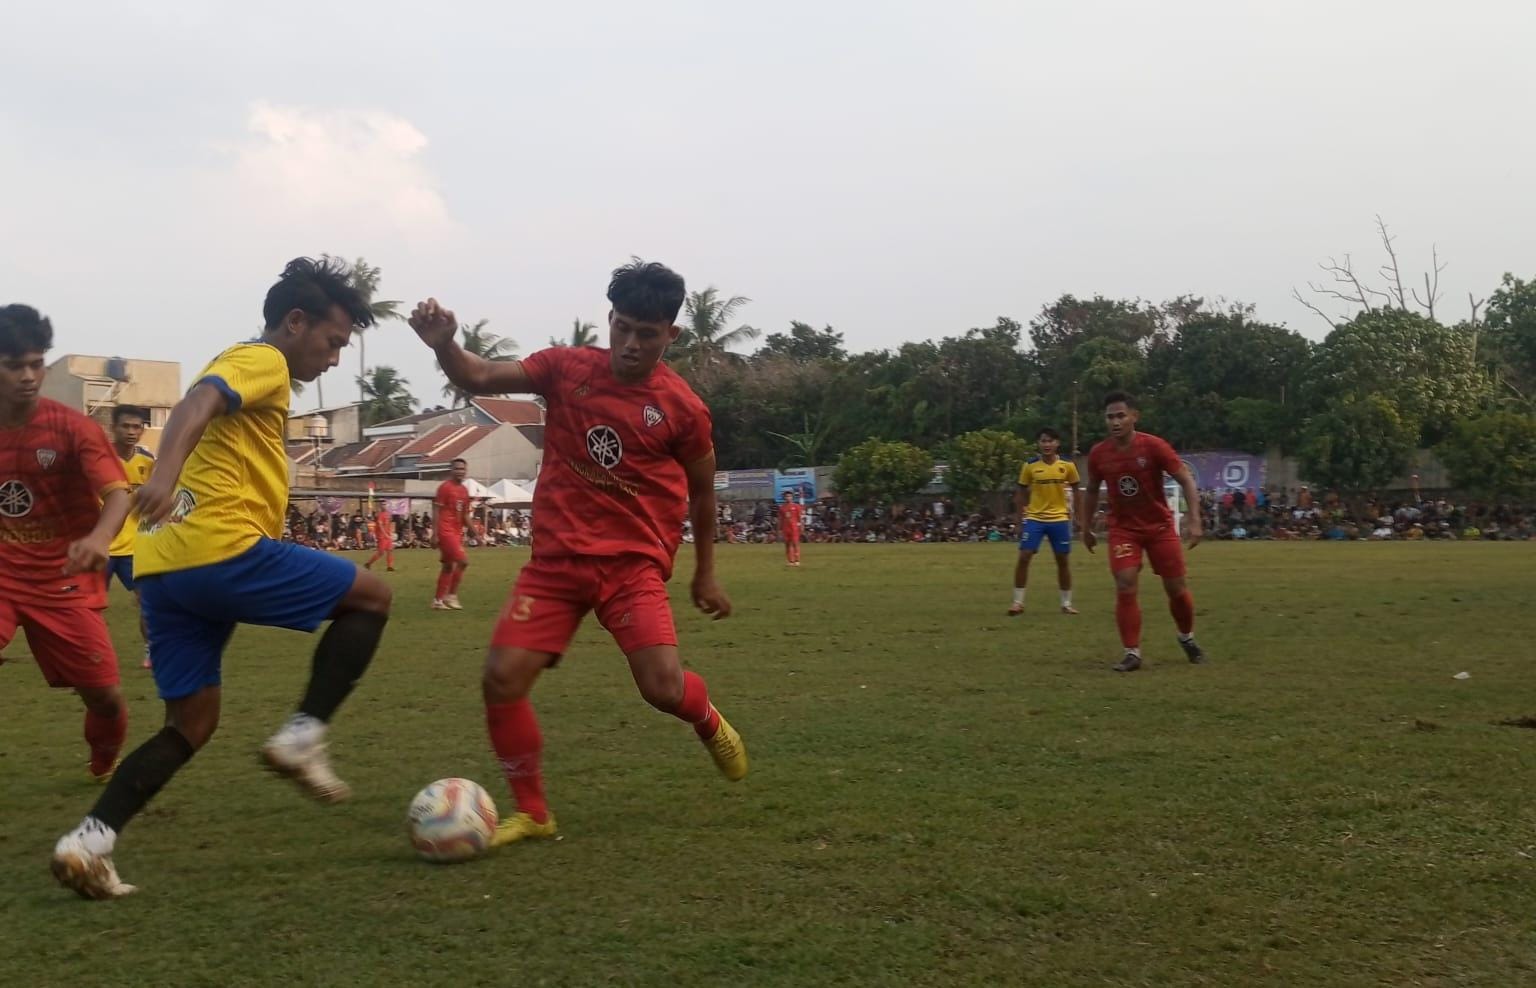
(451, 820)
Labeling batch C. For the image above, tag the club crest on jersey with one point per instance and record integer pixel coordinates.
(581, 391)
(1141, 461)
(654, 416)
(1128, 486)
(46, 458)
(604, 446)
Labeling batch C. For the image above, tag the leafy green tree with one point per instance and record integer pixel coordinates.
(365, 277)
(482, 343)
(1428, 371)
(803, 342)
(706, 340)
(582, 334)
(877, 471)
(1358, 443)
(984, 462)
(1493, 454)
(385, 395)
(1511, 319)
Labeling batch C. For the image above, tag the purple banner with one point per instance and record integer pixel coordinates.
(1221, 469)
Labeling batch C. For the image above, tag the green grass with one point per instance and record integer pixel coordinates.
(939, 795)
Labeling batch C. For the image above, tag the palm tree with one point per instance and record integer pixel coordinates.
(365, 277)
(705, 341)
(484, 344)
(385, 396)
(582, 334)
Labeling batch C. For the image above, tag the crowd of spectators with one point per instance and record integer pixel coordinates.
(1297, 514)
(339, 531)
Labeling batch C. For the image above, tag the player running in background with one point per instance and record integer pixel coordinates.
(62, 498)
(450, 517)
(128, 422)
(384, 540)
(790, 516)
(1049, 516)
(1132, 464)
(628, 456)
(209, 557)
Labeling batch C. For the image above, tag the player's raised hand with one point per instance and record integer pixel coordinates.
(709, 598)
(1090, 540)
(433, 323)
(87, 555)
(153, 501)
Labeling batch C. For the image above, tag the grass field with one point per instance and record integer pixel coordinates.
(939, 795)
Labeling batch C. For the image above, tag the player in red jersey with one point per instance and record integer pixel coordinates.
(1132, 464)
(628, 456)
(790, 515)
(63, 497)
(383, 541)
(450, 512)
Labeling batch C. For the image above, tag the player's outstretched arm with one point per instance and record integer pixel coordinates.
(1090, 508)
(707, 595)
(1186, 481)
(188, 421)
(438, 328)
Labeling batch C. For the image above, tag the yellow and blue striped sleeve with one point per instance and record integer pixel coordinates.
(252, 375)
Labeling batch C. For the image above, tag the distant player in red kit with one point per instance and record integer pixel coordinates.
(1132, 464)
(790, 515)
(63, 498)
(450, 509)
(628, 456)
(384, 541)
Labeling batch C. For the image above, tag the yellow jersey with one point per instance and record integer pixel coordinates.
(233, 489)
(1048, 483)
(138, 468)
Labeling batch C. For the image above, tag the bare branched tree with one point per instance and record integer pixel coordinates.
(1350, 288)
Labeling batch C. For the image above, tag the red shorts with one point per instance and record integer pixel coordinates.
(70, 644)
(790, 535)
(553, 595)
(451, 549)
(1163, 549)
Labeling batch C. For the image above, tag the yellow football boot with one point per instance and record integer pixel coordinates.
(728, 751)
(521, 826)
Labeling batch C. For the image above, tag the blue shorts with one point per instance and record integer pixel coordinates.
(191, 613)
(122, 568)
(1059, 532)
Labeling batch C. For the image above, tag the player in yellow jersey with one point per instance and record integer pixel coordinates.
(128, 422)
(1048, 482)
(208, 557)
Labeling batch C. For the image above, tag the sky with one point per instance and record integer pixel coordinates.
(899, 170)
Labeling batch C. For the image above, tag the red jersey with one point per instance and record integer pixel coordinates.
(789, 516)
(613, 480)
(451, 501)
(1134, 476)
(54, 471)
(384, 529)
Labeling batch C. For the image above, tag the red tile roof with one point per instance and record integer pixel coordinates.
(511, 411)
(374, 455)
(457, 445)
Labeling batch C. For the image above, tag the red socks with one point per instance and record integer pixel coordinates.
(105, 736)
(695, 707)
(1128, 619)
(515, 736)
(1182, 608)
(443, 579)
(455, 579)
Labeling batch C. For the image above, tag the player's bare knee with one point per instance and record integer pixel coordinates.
(509, 675)
(105, 702)
(1174, 585)
(662, 691)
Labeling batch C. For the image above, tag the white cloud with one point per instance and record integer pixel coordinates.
(315, 167)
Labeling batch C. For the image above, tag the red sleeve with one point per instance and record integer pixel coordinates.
(1167, 459)
(543, 368)
(697, 438)
(97, 460)
(438, 498)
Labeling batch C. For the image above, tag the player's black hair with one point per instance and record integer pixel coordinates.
(646, 290)
(135, 410)
(24, 330)
(312, 287)
(1121, 396)
(458, 459)
(1048, 433)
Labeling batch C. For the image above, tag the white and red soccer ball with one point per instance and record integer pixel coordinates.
(451, 820)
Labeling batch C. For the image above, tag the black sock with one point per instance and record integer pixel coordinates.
(141, 775)
(342, 656)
